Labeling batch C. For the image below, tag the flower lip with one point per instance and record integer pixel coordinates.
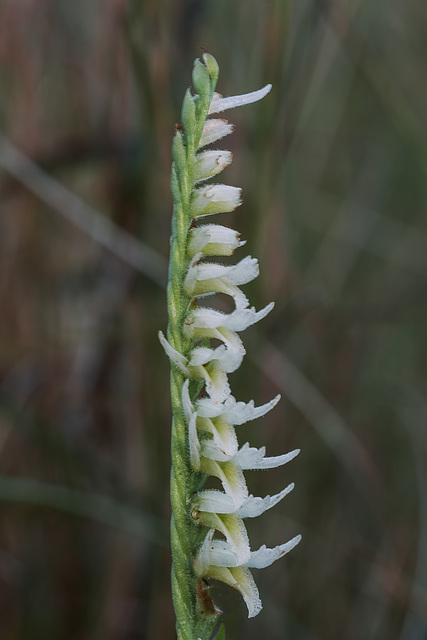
(252, 458)
(237, 320)
(220, 104)
(236, 412)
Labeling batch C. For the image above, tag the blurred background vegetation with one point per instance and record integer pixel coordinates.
(333, 165)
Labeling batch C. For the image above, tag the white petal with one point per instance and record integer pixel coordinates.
(209, 163)
(186, 401)
(213, 240)
(213, 501)
(228, 359)
(224, 434)
(237, 413)
(174, 355)
(207, 408)
(214, 198)
(252, 458)
(203, 355)
(253, 507)
(209, 449)
(241, 273)
(238, 320)
(231, 477)
(265, 557)
(221, 554)
(219, 103)
(209, 278)
(214, 130)
(217, 386)
(191, 417)
(215, 552)
(194, 443)
(238, 577)
(191, 277)
(202, 560)
(242, 412)
(232, 527)
(241, 579)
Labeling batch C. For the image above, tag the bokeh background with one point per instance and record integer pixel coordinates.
(333, 165)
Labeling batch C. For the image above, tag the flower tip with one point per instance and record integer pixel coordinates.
(211, 64)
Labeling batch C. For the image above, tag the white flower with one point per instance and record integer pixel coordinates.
(217, 559)
(239, 320)
(209, 163)
(214, 501)
(236, 412)
(206, 278)
(213, 240)
(214, 198)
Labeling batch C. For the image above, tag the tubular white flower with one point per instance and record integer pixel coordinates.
(239, 320)
(214, 198)
(217, 559)
(221, 554)
(213, 240)
(208, 163)
(207, 278)
(236, 412)
(212, 413)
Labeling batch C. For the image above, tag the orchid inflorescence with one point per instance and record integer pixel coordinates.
(204, 441)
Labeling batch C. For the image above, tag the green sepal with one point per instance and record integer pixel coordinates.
(178, 153)
(201, 79)
(176, 191)
(188, 116)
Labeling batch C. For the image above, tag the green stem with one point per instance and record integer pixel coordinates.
(195, 615)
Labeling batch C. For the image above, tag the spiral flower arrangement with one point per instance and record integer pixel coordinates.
(208, 535)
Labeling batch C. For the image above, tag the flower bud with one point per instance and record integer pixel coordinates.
(209, 163)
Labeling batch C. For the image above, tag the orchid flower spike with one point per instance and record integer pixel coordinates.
(208, 536)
